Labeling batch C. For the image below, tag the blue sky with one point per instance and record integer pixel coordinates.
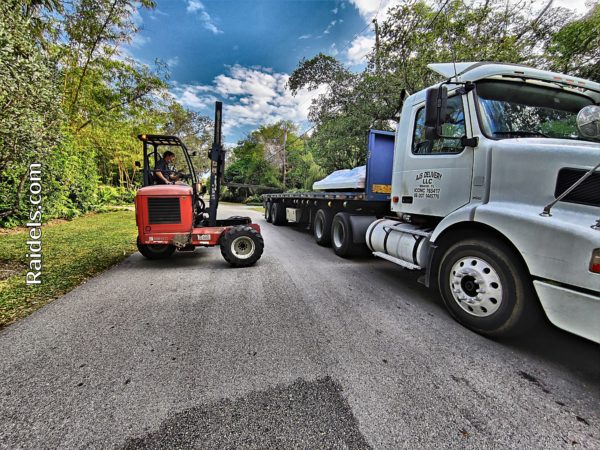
(242, 51)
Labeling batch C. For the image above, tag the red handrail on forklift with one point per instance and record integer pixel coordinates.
(174, 217)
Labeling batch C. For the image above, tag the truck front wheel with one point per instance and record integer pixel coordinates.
(486, 287)
(268, 216)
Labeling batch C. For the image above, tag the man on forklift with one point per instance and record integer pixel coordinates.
(164, 169)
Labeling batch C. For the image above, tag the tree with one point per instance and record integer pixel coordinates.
(414, 34)
(195, 130)
(575, 48)
(30, 117)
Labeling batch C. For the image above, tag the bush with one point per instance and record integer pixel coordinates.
(111, 195)
(256, 198)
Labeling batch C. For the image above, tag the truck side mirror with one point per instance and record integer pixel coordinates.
(137, 164)
(436, 100)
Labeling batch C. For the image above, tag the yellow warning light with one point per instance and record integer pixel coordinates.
(143, 137)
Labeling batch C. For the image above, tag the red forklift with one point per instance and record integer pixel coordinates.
(173, 217)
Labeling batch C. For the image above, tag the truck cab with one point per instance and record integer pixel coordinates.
(477, 188)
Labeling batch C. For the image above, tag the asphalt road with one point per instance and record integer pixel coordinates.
(303, 350)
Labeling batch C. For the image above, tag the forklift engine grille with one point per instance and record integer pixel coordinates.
(164, 210)
(587, 193)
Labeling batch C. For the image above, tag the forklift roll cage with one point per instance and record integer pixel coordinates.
(216, 155)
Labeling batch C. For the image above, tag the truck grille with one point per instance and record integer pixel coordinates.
(164, 210)
(587, 193)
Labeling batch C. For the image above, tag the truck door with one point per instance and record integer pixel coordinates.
(435, 176)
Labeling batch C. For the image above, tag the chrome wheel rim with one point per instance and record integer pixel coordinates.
(476, 286)
(242, 247)
(338, 234)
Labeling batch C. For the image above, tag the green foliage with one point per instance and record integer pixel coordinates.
(29, 107)
(112, 195)
(575, 48)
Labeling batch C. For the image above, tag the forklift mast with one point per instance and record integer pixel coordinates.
(217, 161)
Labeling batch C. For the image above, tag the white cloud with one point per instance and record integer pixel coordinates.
(334, 10)
(157, 13)
(139, 40)
(172, 62)
(577, 5)
(305, 36)
(136, 17)
(359, 49)
(196, 6)
(369, 9)
(252, 96)
(330, 26)
(334, 50)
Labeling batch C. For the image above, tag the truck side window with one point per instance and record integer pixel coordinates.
(454, 129)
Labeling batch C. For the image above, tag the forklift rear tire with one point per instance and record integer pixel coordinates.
(322, 227)
(155, 251)
(268, 215)
(278, 214)
(241, 246)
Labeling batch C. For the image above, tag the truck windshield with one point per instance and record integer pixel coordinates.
(513, 109)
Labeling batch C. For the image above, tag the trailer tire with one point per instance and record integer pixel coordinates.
(155, 251)
(322, 227)
(341, 236)
(278, 214)
(486, 287)
(268, 215)
(241, 246)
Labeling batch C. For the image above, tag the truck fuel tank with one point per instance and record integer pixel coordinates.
(402, 241)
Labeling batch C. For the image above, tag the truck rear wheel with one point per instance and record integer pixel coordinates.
(241, 246)
(155, 251)
(322, 227)
(485, 286)
(278, 214)
(341, 235)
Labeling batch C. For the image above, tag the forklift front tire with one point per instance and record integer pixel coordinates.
(241, 246)
(155, 251)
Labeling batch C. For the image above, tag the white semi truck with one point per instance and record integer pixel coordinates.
(490, 187)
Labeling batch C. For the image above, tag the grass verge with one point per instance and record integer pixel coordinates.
(72, 252)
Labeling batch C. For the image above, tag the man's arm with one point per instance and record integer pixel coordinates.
(159, 170)
(160, 175)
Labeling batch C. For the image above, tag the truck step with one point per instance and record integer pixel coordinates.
(410, 229)
(398, 261)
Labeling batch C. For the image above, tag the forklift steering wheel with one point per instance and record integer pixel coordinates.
(201, 205)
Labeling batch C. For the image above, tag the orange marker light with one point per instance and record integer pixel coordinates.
(595, 262)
